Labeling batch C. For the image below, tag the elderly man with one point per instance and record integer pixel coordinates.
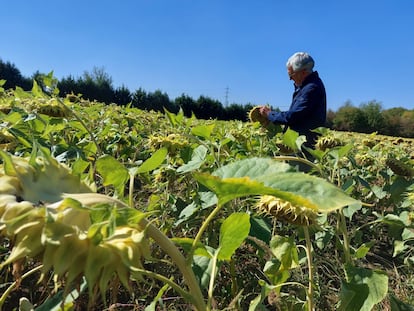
(308, 108)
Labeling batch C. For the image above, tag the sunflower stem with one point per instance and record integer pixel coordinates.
(168, 246)
(344, 231)
(310, 267)
(298, 159)
(13, 285)
(205, 225)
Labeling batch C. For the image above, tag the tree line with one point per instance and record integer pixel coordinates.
(97, 85)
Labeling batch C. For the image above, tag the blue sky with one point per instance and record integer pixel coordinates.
(234, 51)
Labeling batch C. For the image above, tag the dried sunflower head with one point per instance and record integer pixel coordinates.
(284, 149)
(53, 110)
(173, 142)
(369, 142)
(39, 179)
(400, 167)
(39, 216)
(256, 116)
(7, 141)
(26, 185)
(286, 211)
(327, 142)
(364, 159)
(5, 108)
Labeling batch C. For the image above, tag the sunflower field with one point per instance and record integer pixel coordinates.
(106, 207)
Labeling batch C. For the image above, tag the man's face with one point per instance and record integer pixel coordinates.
(297, 76)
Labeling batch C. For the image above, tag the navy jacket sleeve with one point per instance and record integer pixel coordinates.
(308, 108)
(301, 108)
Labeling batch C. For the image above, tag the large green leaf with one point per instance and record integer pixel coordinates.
(156, 159)
(265, 176)
(113, 172)
(260, 229)
(233, 232)
(202, 267)
(203, 131)
(364, 289)
(253, 168)
(290, 139)
(197, 159)
(284, 249)
(175, 119)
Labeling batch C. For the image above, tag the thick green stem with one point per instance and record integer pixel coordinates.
(310, 267)
(298, 159)
(168, 246)
(205, 225)
(186, 295)
(212, 279)
(344, 231)
(131, 190)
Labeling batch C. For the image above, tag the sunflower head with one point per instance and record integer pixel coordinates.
(256, 116)
(173, 142)
(286, 211)
(400, 167)
(7, 141)
(52, 109)
(38, 179)
(42, 219)
(326, 142)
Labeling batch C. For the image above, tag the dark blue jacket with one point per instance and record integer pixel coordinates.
(308, 108)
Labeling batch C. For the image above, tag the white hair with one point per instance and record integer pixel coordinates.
(301, 61)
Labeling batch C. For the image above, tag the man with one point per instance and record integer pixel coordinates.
(308, 108)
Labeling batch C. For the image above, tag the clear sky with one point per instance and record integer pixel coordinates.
(234, 51)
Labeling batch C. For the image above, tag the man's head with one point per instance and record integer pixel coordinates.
(299, 66)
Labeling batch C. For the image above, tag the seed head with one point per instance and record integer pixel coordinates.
(284, 210)
(256, 116)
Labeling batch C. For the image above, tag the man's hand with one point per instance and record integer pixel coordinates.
(264, 111)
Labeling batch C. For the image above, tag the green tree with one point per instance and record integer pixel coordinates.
(97, 85)
(68, 85)
(208, 108)
(140, 99)
(350, 118)
(373, 115)
(186, 103)
(158, 100)
(407, 124)
(13, 77)
(392, 120)
(122, 96)
(330, 117)
(237, 112)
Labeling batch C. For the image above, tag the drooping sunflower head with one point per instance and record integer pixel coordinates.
(52, 109)
(39, 179)
(173, 142)
(256, 116)
(26, 184)
(400, 167)
(326, 142)
(7, 141)
(286, 211)
(48, 214)
(5, 108)
(365, 159)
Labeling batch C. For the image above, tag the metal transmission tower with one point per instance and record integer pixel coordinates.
(226, 103)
